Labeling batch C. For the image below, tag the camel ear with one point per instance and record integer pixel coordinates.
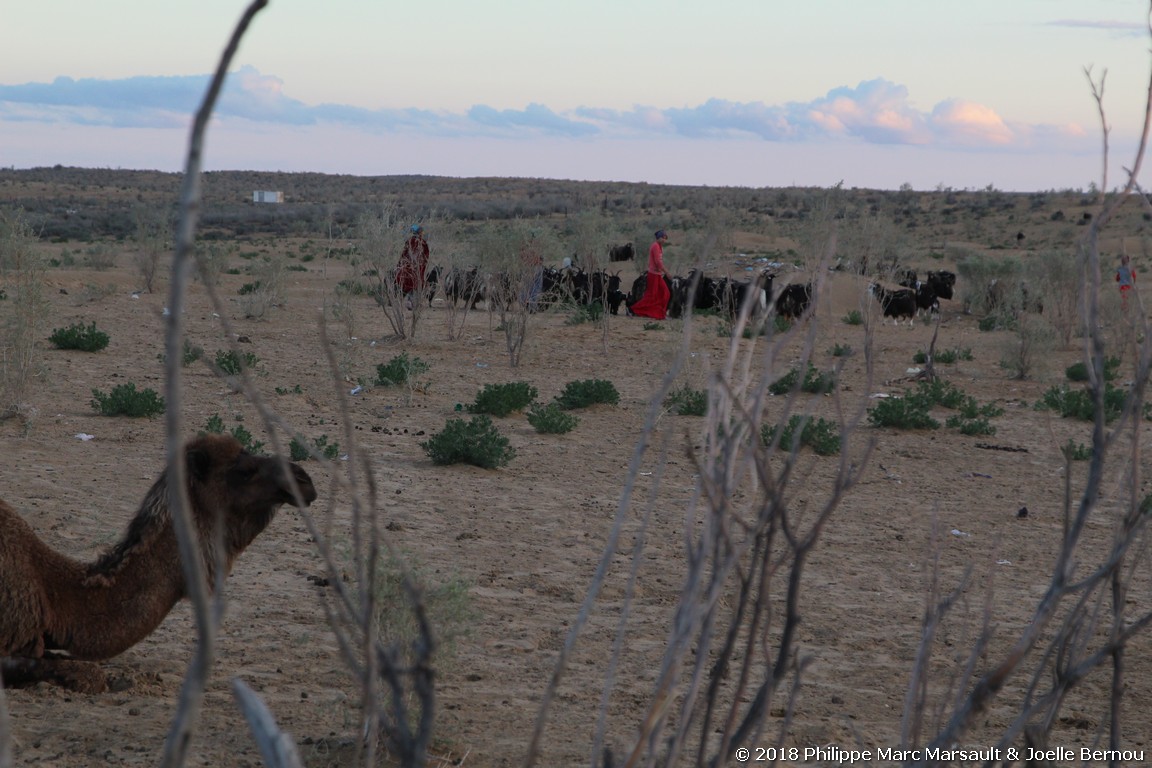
(199, 463)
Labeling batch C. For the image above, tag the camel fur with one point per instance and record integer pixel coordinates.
(57, 614)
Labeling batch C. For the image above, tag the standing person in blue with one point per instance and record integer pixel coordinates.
(1126, 277)
(413, 264)
(654, 302)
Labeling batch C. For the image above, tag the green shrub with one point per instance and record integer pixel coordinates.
(815, 382)
(688, 402)
(231, 363)
(908, 412)
(295, 390)
(653, 326)
(944, 356)
(245, 438)
(298, 451)
(125, 400)
(854, 317)
(215, 426)
(1074, 451)
(476, 441)
(81, 337)
(587, 392)
(585, 313)
(1079, 371)
(551, 419)
(503, 399)
(821, 435)
(400, 371)
(971, 427)
(249, 288)
(940, 392)
(1078, 404)
(841, 350)
(997, 321)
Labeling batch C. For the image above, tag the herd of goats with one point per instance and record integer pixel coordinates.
(694, 291)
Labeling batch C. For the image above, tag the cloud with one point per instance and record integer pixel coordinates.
(874, 111)
(970, 124)
(1123, 28)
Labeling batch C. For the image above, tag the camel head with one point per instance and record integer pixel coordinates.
(229, 487)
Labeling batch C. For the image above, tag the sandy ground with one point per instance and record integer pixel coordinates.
(526, 538)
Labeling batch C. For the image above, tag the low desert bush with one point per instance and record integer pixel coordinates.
(299, 451)
(400, 371)
(476, 441)
(814, 382)
(821, 435)
(945, 356)
(587, 392)
(1079, 371)
(585, 313)
(841, 350)
(503, 399)
(231, 363)
(551, 419)
(446, 603)
(854, 317)
(687, 401)
(215, 426)
(85, 338)
(908, 412)
(126, 400)
(1074, 451)
(1078, 403)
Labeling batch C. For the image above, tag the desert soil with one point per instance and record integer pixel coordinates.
(526, 538)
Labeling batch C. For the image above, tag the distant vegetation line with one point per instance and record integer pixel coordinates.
(81, 204)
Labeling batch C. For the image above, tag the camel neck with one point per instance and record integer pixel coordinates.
(99, 614)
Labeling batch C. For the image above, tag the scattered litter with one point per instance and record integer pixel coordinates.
(84, 436)
(912, 370)
(979, 474)
(879, 394)
(481, 365)
(645, 474)
(165, 312)
(958, 532)
(135, 295)
(372, 343)
(1003, 562)
(344, 457)
(356, 390)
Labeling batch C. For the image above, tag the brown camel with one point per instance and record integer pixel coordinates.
(58, 615)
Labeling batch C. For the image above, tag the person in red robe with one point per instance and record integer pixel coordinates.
(413, 264)
(654, 302)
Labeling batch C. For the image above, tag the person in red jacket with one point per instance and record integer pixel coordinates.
(654, 302)
(413, 264)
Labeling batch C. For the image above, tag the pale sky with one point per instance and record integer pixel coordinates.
(762, 93)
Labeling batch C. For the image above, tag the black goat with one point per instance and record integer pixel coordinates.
(756, 294)
(895, 304)
(794, 300)
(621, 252)
(942, 283)
(926, 299)
(464, 284)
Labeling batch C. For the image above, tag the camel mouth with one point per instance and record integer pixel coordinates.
(304, 483)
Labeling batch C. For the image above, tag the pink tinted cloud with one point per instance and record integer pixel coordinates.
(969, 123)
